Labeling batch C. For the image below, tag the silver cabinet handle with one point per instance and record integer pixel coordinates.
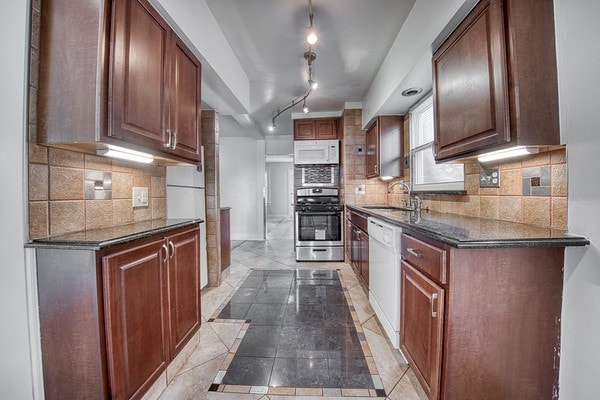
(174, 146)
(414, 253)
(434, 297)
(166, 249)
(169, 137)
(172, 247)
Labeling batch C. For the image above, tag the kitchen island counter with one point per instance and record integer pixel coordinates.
(470, 232)
(96, 239)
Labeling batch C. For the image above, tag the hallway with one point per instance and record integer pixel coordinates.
(202, 375)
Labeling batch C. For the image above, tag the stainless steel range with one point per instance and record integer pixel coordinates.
(319, 233)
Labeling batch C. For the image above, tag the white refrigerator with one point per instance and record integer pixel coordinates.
(186, 199)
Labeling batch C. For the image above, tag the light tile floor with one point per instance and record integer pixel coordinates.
(216, 339)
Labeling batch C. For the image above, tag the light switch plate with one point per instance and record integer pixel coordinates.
(140, 197)
(359, 189)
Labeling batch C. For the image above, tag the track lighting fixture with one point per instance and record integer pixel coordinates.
(311, 38)
(309, 56)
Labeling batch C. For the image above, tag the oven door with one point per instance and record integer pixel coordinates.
(319, 228)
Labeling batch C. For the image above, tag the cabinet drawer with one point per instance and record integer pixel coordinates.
(429, 259)
(359, 220)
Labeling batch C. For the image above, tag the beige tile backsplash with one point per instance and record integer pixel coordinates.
(507, 203)
(353, 165)
(56, 194)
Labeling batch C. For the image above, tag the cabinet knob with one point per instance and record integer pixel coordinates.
(434, 297)
(169, 139)
(166, 249)
(172, 247)
(414, 252)
(174, 145)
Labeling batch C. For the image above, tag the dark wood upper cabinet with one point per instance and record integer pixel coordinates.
(184, 109)
(384, 147)
(140, 74)
(495, 82)
(316, 129)
(116, 73)
(372, 155)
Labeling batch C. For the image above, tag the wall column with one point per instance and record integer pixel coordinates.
(210, 141)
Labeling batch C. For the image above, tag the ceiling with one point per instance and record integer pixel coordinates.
(268, 39)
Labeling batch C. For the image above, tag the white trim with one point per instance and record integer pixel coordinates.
(322, 114)
(33, 315)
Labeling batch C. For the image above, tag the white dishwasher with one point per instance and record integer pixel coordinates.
(384, 276)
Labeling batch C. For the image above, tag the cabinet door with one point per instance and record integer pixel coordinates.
(349, 240)
(326, 129)
(355, 257)
(136, 314)
(304, 129)
(138, 87)
(372, 158)
(184, 287)
(421, 322)
(184, 110)
(225, 239)
(470, 87)
(364, 256)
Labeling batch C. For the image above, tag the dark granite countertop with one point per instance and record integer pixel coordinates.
(469, 232)
(96, 239)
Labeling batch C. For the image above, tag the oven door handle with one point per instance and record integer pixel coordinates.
(311, 213)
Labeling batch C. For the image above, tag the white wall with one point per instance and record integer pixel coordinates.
(242, 177)
(578, 31)
(280, 144)
(15, 360)
(278, 204)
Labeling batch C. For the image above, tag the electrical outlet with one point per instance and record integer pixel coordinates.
(140, 197)
(359, 189)
(489, 178)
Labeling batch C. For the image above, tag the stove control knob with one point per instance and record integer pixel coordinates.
(330, 208)
(309, 208)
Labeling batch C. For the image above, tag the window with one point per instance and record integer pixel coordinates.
(426, 175)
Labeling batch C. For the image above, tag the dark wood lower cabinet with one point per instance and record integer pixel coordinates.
(357, 244)
(136, 312)
(481, 323)
(225, 237)
(184, 288)
(422, 304)
(111, 320)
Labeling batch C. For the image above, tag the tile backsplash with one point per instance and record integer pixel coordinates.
(57, 202)
(532, 190)
(356, 188)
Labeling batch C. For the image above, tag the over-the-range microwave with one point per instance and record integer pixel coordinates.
(316, 152)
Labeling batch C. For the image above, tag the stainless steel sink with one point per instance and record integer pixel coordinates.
(387, 208)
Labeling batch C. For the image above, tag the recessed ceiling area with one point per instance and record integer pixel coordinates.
(269, 39)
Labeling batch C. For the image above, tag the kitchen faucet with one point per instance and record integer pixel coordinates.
(414, 204)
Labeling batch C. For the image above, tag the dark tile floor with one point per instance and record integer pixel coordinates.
(301, 332)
